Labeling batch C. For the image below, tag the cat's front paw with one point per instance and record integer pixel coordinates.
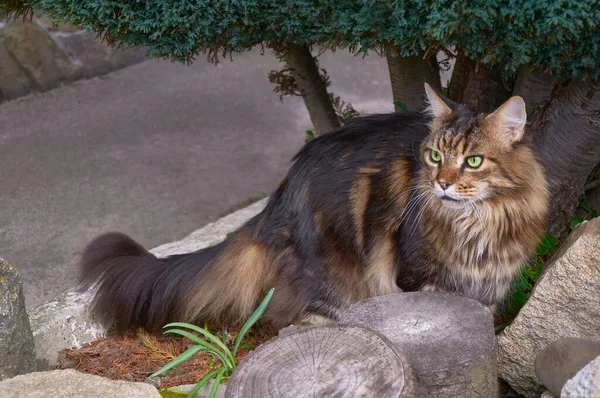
(430, 287)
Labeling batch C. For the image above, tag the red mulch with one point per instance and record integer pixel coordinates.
(134, 357)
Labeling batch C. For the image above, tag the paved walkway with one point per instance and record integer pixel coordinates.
(156, 150)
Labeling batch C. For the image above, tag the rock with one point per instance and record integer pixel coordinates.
(447, 338)
(565, 302)
(16, 341)
(93, 57)
(562, 359)
(547, 394)
(70, 383)
(30, 60)
(63, 27)
(38, 56)
(585, 384)
(324, 361)
(204, 391)
(212, 233)
(63, 323)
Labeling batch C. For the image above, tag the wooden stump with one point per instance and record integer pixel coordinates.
(324, 361)
(448, 340)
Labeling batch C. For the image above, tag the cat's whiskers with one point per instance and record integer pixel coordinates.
(417, 219)
(412, 203)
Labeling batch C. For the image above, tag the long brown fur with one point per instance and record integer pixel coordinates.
(360, 214)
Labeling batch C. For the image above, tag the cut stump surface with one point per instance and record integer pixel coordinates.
(324, 361)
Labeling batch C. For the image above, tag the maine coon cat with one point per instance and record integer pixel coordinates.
(446, 200)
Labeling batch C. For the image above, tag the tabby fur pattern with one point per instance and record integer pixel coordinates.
(387, 202)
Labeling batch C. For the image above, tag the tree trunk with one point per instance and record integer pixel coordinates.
(324, 361)
(408, 75)
(312, 88)
(476, 87)
(535, 88)
(566, 134)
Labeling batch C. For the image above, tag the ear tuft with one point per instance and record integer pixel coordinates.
(510, 118)
(437, 107)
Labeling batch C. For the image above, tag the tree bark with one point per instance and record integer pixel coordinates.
(475, 86)
(312, 88)
(324, 361)
(426, 326)
(535, 88)
(408, 75)
(566, 135)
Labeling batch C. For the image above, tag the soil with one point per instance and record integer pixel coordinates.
(135, 356)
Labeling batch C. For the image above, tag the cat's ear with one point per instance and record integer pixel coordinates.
(510, 119)
(437, 106)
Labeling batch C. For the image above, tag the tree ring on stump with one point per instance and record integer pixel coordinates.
(324, 361)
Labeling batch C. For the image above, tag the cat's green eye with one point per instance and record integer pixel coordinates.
(436, 156)
(474, 161)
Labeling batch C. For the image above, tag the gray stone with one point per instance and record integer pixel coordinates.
(565, 302)
(547, 394)
(93, 57)
(16, 342)
(585, 384)
(38, 56)
(212, 233)
(70, 383)
(31, 60)
(447, 338)
(63, 323)
(203, 392)
(562, 359)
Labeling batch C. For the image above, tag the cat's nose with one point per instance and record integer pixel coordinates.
(444, 184)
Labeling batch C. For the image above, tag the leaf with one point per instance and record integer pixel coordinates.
(190, 352)
(211, 349)
(253, 319)
(205, 333)
(400, 106)
(549, 240)
(585, 207)
(517, 302)
(576, 221)
(202, 382)
(215, 387)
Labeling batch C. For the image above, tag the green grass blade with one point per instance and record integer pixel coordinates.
(205, 333)
(190, 352)
(202, 382)
(252, 320)
(215, 387)
(210, 348)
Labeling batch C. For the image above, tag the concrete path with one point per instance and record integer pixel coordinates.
(156, 150)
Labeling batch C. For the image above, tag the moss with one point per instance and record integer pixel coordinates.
(166, 393)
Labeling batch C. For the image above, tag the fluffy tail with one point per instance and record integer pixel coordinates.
(137, 289)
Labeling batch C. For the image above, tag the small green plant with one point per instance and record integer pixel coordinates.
(400, 106)
(216, 347)
(309, 135)
(591, 213)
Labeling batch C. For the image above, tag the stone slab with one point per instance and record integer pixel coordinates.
(70, 383)
(16, 341)
(585, 384)
(565, 302)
